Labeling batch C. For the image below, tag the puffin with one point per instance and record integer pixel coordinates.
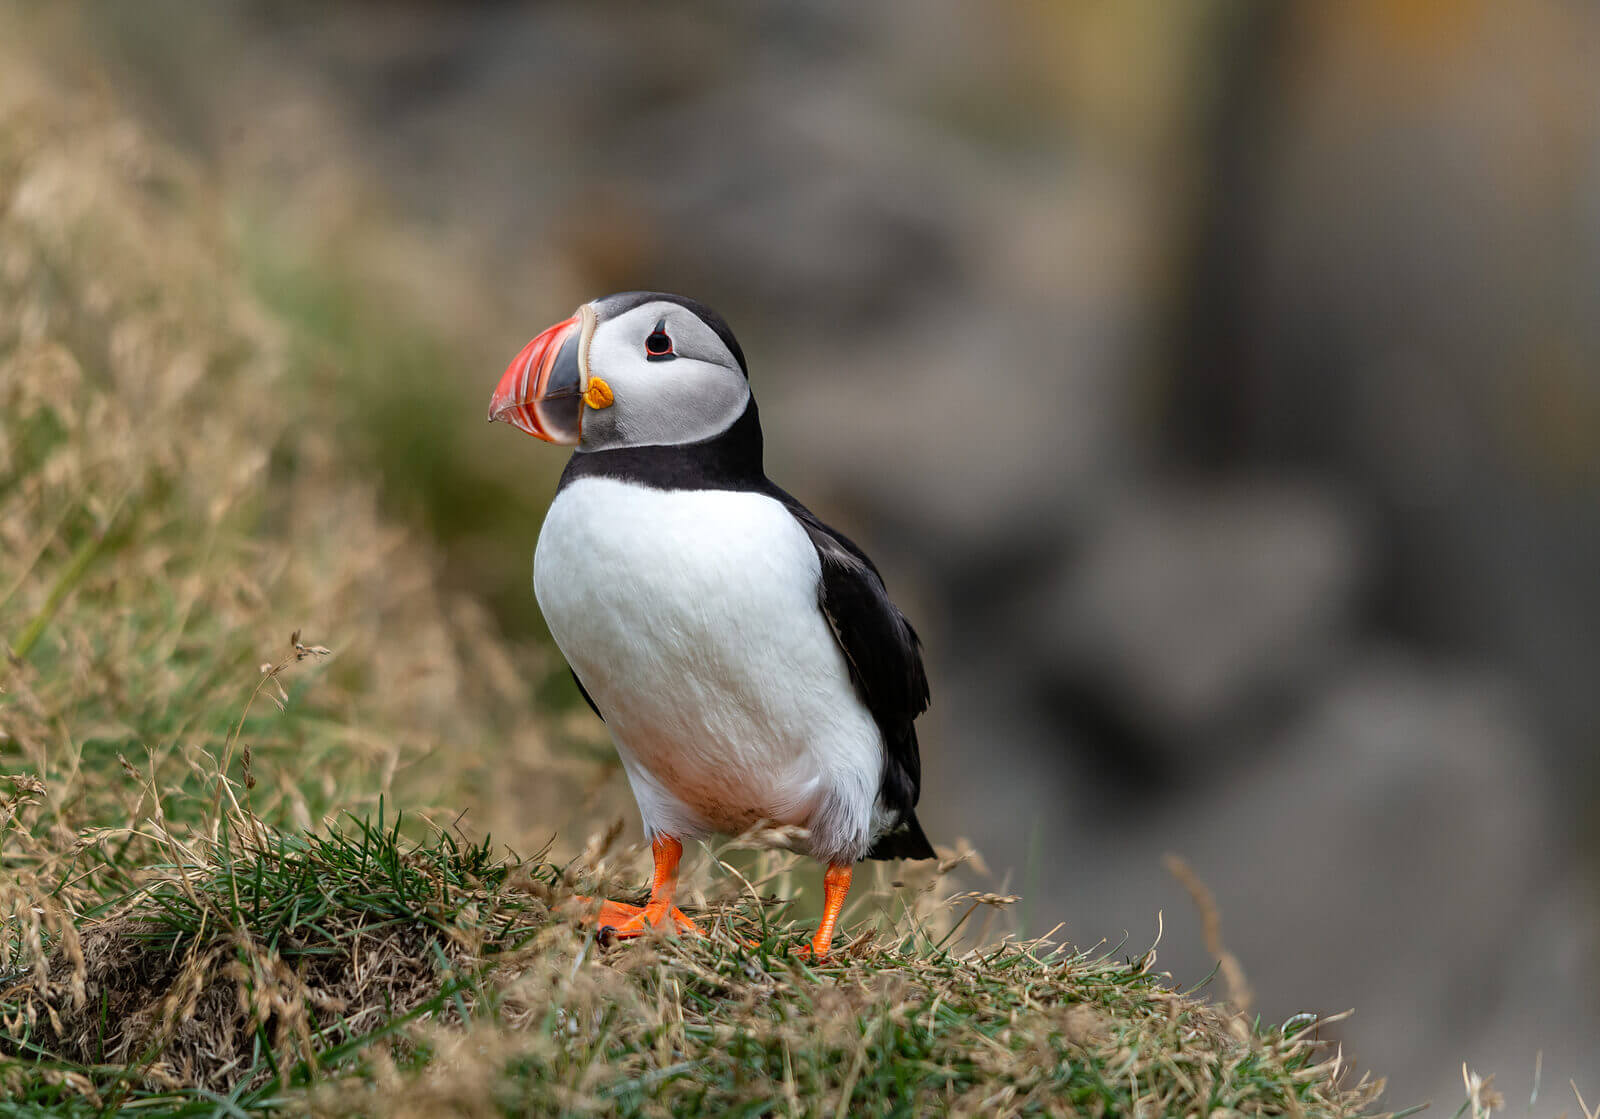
(744, 656)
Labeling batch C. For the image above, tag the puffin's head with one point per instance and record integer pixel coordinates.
(629, 370)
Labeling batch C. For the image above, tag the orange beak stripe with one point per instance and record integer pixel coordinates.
(527, 379)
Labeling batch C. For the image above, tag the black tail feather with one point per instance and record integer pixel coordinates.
(906, 841)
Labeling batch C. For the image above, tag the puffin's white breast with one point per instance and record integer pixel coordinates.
(692, 618)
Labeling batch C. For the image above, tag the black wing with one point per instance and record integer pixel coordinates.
(885, 659)
(584, 692)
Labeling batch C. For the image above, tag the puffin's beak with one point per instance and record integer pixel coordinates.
(542, 391)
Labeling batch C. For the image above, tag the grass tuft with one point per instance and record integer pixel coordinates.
(253, 961)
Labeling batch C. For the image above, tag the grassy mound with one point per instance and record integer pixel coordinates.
(206, 907)
(354, 972)
(274, 953)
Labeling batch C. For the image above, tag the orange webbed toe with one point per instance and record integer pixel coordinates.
(619, 919)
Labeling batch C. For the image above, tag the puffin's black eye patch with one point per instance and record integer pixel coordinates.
(658, 346)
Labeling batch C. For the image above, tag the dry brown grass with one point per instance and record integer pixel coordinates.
(167, 512)
(172, 502)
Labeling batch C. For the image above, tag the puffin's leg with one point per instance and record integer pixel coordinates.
(835, 885)
(630, 920)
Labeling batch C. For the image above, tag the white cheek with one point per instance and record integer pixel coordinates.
(664, 403)
(694, 397)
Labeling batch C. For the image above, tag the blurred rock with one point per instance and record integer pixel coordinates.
(1542, 1004)
(977, 460)
(825, 224)
(1390, 852)
(1412, 264)
(1192, 615)
(1422, 787)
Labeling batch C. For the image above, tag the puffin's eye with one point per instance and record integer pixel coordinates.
(658, 346)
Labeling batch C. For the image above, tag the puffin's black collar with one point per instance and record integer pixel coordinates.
(731, 461)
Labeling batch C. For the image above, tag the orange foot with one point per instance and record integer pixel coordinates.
(624, 920)
(835, 885)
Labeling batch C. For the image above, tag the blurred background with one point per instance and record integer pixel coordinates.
(1217, 385)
